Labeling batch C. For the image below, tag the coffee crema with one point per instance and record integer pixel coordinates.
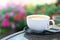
(39, 17)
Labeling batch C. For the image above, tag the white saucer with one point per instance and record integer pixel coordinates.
(54, 29)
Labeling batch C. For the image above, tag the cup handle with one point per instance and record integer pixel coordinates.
(53, 23)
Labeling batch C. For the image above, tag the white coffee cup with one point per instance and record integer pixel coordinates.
(39, 22)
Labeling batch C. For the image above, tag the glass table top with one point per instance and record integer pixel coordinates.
(24, 36)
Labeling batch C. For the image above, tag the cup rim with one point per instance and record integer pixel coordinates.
(39, 15)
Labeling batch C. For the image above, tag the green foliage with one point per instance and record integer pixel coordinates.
(4, 30)
(58, 8)
(38, 7)
(3, 11)
(9, 9)
(11, 19)
(21, 24)
(30, 11)
(49, 9)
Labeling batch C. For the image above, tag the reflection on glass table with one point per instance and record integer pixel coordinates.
(57, 19)
(23, 36)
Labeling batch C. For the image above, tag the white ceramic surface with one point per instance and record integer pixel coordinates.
(37, 23)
